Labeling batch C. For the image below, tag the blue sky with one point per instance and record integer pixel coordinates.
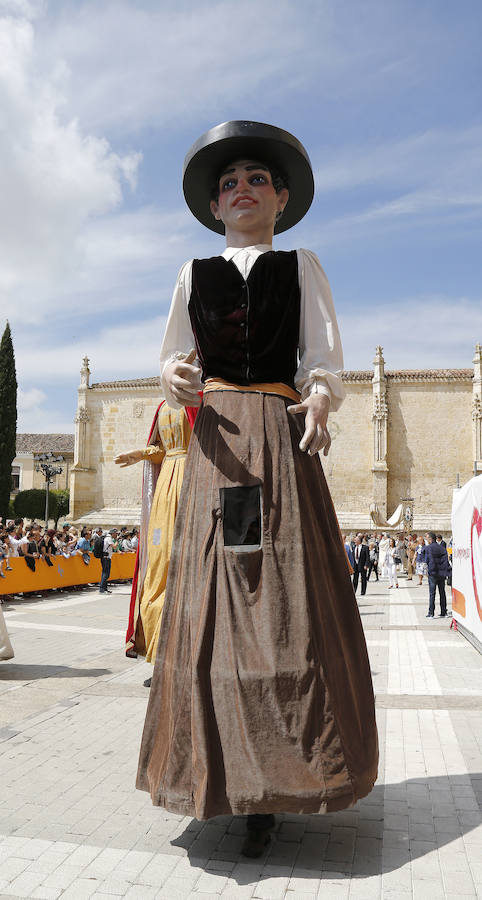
(99, 102)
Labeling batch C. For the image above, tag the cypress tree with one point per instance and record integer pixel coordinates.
(8, 418)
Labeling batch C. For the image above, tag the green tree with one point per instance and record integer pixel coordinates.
(30, 504)
(60, 504)
(8, 418)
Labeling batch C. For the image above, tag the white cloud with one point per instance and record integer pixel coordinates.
(416, 333)
(27, 400)
(54, 178)
(35, 416)
(159, 64)
(164, 65)
(411, 160)
(116, 351)
(28, 9)
(434, 177)
(128, 350)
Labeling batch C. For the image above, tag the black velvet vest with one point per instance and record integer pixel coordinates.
(247, 331)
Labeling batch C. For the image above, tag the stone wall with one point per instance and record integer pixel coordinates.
(348, 464)
(429, 442)
(112, 418)
(397, 434)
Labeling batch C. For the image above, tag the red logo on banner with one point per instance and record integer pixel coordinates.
(476, 526)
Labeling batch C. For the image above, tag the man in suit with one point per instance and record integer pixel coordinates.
(361, 561)
(438, 570)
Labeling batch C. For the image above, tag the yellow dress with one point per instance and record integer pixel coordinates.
(174, 434)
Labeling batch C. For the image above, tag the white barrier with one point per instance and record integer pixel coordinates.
(467, 560)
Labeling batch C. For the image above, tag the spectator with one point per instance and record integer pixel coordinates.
(401, 552)
(17, 540)
(84, 546)
(135, 539)
(47, 547)
(349, 550)
(382, 555)
(392, 561)
(438, 571)
(411, 553)
(441, 541)
(110, 541)
(126, 543)
(360, 567)
(31, 552)
(4, 548)
(450, 550)
(373, 564)
(421, 560)
(10, 549)
(67, 545)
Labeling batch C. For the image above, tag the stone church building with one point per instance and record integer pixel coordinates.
(399, 435)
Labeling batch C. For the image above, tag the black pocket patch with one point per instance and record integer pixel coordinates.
(241, 512)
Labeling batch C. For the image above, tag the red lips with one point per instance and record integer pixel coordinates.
(244, 197)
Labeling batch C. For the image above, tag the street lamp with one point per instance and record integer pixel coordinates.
(44, 463)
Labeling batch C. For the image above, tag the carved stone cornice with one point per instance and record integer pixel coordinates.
(411, 375)
(134, 385)
(356, 376)
(431, 375)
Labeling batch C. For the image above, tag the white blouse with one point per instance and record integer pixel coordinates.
(320, 350)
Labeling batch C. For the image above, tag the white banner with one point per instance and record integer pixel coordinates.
(467, 557)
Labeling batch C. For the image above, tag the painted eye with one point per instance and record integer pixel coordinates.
(258, 179)
(228, 184)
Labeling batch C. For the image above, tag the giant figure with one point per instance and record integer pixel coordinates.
(261, 699)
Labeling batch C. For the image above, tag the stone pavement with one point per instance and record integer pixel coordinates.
(73, 826)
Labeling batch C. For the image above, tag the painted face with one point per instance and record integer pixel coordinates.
(247, 198)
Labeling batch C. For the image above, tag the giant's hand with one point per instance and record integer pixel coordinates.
(128, 459)
(184, 380)
(316, 437)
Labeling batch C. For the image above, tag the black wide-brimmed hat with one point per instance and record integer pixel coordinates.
(247, 140)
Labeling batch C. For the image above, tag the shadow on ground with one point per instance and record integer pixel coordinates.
(16, 672)
(396, 824)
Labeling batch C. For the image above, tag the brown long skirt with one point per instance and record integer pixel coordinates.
(261, 697)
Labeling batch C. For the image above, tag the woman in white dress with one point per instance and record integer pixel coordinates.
(392, 560)
(382, 555)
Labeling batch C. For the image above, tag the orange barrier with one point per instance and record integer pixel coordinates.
(63, 573)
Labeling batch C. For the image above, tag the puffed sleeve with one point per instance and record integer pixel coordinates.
(178, 337)
(154, 453)
(321, 354)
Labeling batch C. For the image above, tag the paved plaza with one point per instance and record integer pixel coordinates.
(73, 826)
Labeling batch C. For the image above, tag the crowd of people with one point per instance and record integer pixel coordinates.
(387, 556)
(35, 543)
